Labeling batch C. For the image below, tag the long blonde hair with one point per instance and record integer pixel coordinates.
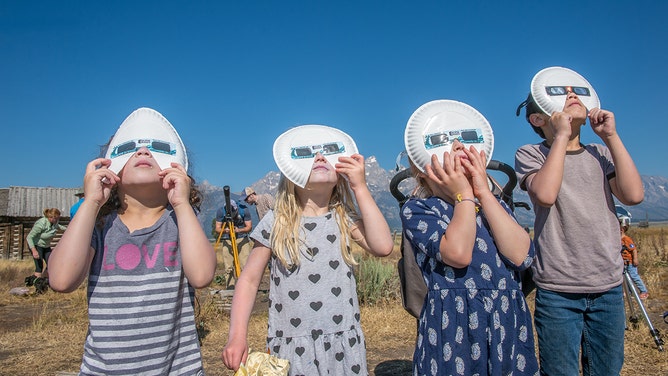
(286, 233)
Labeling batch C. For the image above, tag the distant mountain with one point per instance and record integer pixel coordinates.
(654, 207)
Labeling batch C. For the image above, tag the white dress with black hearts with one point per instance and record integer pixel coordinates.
(314, 316)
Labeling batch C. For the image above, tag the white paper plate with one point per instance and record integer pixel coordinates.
(560, 77)
(146, 127)
(295, 149)
(445, 119)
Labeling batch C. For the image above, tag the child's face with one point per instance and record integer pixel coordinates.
(322, 171)
(140, 168)
(575, 108)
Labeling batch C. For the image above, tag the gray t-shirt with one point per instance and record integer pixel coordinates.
(140, 305)
(577, 239)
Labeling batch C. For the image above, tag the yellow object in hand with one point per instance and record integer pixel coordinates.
(262, 364)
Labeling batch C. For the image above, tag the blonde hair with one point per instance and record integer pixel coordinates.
(287, 234)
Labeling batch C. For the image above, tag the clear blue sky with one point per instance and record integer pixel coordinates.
(232, 75)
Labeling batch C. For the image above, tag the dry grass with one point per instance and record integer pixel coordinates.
(44, 334)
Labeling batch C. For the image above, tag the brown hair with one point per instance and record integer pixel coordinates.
(51, 212)
(531, 108)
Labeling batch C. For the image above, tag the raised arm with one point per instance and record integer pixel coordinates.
(70, 260)
(197, 254)
(510, 238)
(626, 185)
(372, 232)
(544, 185)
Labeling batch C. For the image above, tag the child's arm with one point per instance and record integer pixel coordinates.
(450, 183)
(245, 291)
(626, 185)
(372, 232)
(544, 185)
(197, 254)
(71, 258)
(510, 238)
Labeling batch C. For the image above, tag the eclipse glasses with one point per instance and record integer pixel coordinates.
(563, 90)
(303, 152)
(465, 136)
(156, 146)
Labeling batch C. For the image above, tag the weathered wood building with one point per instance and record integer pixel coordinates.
(20, 207)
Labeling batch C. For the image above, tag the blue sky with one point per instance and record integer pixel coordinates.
(233, 75)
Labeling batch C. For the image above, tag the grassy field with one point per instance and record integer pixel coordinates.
(44, 334)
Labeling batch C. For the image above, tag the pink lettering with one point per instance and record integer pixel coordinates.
(170, 250)
(128, 257)
(150, 261)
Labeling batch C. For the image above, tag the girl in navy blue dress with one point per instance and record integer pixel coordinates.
(475, 320)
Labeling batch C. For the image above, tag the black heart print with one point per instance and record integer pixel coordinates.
(293, 294)
(296, 322)
(331, 238)
(312, 251)
(316, 306)
(314, 278)
(310, 226)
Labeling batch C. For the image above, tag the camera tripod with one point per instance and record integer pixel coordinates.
(630, 291)
(228, 222)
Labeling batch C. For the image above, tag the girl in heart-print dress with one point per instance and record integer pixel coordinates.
(314, 316)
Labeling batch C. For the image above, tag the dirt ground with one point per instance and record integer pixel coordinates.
(44, 334)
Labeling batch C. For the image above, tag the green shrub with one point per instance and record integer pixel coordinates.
(377, 281)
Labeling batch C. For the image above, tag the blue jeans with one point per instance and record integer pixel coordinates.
(566, 323)
(632, 271)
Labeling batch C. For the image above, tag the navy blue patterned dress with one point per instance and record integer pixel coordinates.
(475, 320)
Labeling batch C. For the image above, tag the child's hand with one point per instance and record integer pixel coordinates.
(235, 353)
(560, 124)
(353, 169)
(99, 180)
(476, 166)
(602, 122)
(448, 180)
(176, 182)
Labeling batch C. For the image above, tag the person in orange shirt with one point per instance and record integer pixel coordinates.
(630, 256)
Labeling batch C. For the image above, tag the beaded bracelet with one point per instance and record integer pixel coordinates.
(460, 199)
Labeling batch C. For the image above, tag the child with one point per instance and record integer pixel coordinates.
(138, 239)
(578, 271)
(39, 241)
(314, 317)
(630, 257)
(475, 319)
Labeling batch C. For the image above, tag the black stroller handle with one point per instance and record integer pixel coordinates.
(394, 185)
(506, 190)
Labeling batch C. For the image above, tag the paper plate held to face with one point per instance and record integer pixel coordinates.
(433, 128)
(550, 87)
(146, 127)
(295, 150)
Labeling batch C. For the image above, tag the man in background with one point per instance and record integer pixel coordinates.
(263, 202)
